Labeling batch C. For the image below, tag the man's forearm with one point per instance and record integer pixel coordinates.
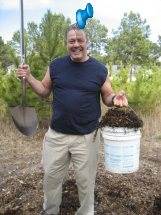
(108, 100)
(37, 86)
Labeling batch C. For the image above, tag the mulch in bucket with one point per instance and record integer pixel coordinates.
(121, 117)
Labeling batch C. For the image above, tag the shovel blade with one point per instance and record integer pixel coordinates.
(25, 119)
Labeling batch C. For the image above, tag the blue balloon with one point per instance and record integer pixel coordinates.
(83, 15)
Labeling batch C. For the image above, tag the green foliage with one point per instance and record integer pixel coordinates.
(8, 92)
(120, 80)
(11, 95)
(48, 39)
(145, 92)
(133, 21)
(43, 42)
(38, 69)
(97, 35)
(132, 48)
(99, 57)
(3, 109)
(130, 44)
(7, 55)
(9, 88)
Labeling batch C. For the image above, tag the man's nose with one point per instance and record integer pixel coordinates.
(76, 43)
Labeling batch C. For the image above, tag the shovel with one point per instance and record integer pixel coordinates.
(24, 118)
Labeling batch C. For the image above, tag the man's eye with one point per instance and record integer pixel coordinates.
(80, 41)
(72, 41)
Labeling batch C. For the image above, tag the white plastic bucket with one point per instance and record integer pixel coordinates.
(122, 149)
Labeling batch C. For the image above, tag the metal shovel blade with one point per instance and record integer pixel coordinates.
(25, 119)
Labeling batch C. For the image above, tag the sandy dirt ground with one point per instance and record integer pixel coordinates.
(21, 179)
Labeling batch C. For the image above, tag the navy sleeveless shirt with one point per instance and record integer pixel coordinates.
(76, 94)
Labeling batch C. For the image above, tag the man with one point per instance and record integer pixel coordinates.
(77, 81)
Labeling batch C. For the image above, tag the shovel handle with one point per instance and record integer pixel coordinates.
(23, 101)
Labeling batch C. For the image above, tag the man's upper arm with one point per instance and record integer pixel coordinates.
(47, 82)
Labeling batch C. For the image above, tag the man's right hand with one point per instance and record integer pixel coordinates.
(23, 71)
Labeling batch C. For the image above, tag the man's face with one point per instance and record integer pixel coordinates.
(77, 45)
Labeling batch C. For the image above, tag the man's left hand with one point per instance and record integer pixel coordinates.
(120, 99)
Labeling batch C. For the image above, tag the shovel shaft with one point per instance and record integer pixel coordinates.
(22, 33)
(23, 81)
(23, 100)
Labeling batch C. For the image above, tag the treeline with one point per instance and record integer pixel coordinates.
(129, 45)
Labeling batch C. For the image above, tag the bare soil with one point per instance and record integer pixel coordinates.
(21, 179)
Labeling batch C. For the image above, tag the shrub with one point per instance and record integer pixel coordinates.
(145, 92)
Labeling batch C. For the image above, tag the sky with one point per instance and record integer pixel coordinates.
(109, 12)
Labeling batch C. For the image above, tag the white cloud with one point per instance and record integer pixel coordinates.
(37, 4)
(28, 4)
(8, 4)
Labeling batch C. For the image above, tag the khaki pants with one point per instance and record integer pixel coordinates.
(58, 150)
